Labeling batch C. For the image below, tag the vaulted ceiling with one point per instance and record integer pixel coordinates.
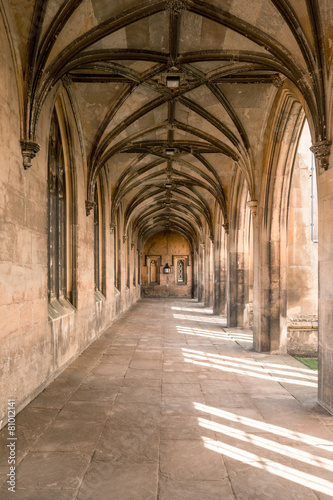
(171, 96)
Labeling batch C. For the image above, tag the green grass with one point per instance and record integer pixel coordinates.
(310, 362)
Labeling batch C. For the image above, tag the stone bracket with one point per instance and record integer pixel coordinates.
(89, 206)
(29, 150)
(322, 150)
(226, 227)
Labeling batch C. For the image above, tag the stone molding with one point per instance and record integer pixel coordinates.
(29, 150)
(322, 150)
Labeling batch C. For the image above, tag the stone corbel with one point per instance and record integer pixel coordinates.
(67, 81)
(132, 246)
(211, 237)
(29, 150)
(125, 238)
(253, 206)
(112, 228)
(322, 150)
(226, 227)
(89, 206)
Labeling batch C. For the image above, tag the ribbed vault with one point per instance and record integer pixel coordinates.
(170, 96)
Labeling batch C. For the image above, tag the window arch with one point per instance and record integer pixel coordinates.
(99, 253)
(60, 213)
(117, 252)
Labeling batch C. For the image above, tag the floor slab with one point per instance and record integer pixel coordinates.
(169, 404)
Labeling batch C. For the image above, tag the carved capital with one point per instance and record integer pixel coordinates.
(29, 150)
(132, 246)
(125, 238)
(112, 228)
(177, 5)
(226, 227)
(253, 206)
(89, 206)
(322, 150)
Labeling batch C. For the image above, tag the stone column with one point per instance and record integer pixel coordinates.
(194, 270)
(209, 274)
(217, 292)
(261, 289)
(201, 272)
(232, 289)
(325, 305)
(207, 271)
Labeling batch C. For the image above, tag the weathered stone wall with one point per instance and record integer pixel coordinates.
(34, 348)
(168, 246)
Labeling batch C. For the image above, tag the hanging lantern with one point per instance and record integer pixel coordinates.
(166, 269)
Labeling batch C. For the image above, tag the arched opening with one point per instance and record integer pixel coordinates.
(167, 247)
(302, 253)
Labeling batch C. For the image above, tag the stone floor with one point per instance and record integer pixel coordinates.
(169, 404)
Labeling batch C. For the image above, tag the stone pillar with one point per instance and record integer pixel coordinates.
(269, 288)
(201, 272)
(224, 274)
(217, 291)
(207, 272)
(325, 306)
(232, 289)
(235, 297)
(261, 290)
(195, 274)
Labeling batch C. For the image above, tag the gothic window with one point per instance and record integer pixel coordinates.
(139, 268)
(117, 253)
(128, 263)
(180, 271)
(98, 239)
(134, 265)
(60, 203)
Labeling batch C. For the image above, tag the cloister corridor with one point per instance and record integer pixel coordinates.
(171, 404)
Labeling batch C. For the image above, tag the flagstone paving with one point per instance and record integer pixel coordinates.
(169, 404)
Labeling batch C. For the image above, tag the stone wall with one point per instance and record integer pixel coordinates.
(166, 247)
(35, 348)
